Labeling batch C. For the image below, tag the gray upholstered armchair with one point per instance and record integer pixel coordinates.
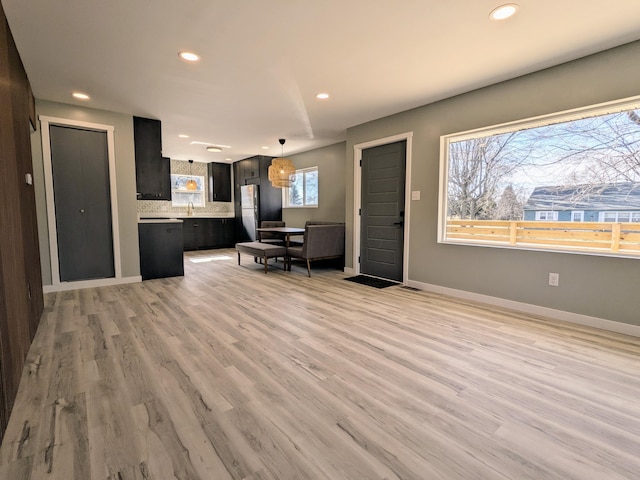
(320, 242)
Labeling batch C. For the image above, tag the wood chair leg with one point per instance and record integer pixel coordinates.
(238, 258)
(308, 267)
(265, 264)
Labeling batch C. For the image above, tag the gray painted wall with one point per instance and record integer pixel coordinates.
(604, 287)
(125, 179)
(331, 195)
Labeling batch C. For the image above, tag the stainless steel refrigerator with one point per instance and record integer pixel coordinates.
(249, 203)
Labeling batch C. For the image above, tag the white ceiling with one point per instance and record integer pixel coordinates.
(263, 61)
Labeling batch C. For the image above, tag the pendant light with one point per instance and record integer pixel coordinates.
(281, 170)
(191, 183)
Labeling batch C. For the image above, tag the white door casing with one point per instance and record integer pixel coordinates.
(357, 191)
(45, 122)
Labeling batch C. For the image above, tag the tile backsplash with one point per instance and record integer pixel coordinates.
(182, 167)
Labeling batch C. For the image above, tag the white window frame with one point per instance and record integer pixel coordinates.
(579, 214)
(285, 190)
(634, 217)
(540, 121)
(546, 213)
(178, 193)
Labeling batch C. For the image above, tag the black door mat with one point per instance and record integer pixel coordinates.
(371, 281)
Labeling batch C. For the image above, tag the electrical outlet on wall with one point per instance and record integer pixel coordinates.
(554, 279)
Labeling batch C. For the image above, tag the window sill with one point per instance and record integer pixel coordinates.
(534, 248)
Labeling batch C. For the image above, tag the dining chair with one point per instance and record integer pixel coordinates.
(272, 238)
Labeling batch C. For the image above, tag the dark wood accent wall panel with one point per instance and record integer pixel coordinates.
(21, 299)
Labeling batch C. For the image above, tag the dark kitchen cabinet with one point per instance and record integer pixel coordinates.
(255, 171)
(226, 232)
(160, 250)
(153, 171)
(195, 233)
(203, 233)
(270, 197)
(249, 169)
(219, 181)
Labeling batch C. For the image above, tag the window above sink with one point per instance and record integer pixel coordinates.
(182, 195)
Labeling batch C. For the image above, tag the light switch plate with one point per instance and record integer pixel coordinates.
(415, 195)
(28, 179)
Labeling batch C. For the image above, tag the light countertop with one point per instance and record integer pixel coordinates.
(159, 220)
(184, 215)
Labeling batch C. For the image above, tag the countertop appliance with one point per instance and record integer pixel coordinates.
(250, 203)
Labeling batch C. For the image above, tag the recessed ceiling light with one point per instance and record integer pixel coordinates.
(189, 56)
(322, 96)
(182, 135)
(80, 96)
(503, 11)
(214, 149)
(265, 148)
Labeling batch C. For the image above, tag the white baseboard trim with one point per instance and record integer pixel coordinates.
(101, 282)
(601, 323)
(349, 271)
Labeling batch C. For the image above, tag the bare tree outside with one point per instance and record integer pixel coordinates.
(490, 177)
(476, 170)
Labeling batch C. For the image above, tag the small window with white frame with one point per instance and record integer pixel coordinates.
(619, 217)
(577, 216)
(303, 191)
(187, 189)
(548, 216)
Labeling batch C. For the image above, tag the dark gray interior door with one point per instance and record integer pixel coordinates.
(80, 164)
(382, 213)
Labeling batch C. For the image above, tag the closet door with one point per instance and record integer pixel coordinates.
(80, 167)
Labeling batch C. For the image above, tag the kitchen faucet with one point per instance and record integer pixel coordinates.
(190, 209)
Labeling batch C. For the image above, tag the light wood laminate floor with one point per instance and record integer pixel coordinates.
(229, 373)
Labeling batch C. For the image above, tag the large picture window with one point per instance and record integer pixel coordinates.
(303, 191)
(569, 182)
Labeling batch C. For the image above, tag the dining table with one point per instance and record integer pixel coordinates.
(285, 232)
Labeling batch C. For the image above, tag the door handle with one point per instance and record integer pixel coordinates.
(399, 223)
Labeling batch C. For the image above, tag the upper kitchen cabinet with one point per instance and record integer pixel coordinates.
(255, 171)
(247, 171)
(219, 182)
(153, 171)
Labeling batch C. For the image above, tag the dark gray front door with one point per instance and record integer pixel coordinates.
(80, 164)
(382, 215)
